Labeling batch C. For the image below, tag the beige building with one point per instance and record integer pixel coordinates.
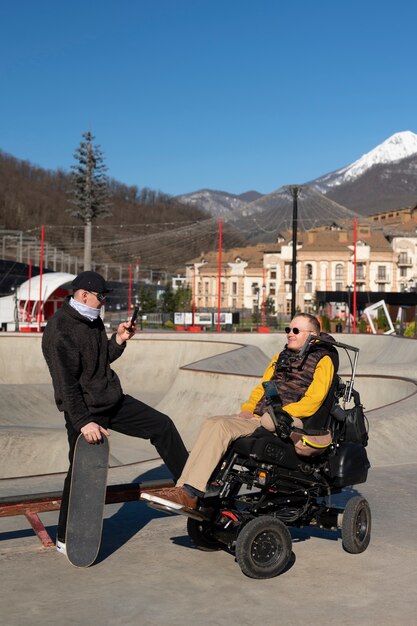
(400, 228)
(386, 261)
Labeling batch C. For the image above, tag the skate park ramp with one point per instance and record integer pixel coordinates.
(189, 378)
(148, 571)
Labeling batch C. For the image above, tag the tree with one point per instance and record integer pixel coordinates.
(269, 306)
(183, 298)
(147, 298)
(89, 189)
(168, 300)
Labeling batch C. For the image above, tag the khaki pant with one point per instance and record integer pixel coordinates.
(214, 437)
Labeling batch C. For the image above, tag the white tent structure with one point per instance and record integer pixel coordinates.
(31, 305)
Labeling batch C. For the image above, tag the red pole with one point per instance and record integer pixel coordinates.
(40, 278)
(29, 304)
(194, 297)
(355, 238)
(219, 276)
(129, 292)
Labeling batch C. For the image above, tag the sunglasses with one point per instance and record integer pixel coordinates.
(100, 296)
(289, 330)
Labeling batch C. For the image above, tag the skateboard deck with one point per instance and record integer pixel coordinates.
(86, 501)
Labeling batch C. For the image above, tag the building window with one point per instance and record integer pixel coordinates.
(308, 287)
(382, 272)
(309, 271)
(339, 272)
(339, 286)
(360, 271)
(234, 289)
(288, 271)
(380, 286)
(273, 275)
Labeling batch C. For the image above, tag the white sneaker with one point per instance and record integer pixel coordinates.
(61, 547)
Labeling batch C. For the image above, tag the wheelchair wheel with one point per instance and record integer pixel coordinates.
(356, 525)
(201, 535)
(263, 547)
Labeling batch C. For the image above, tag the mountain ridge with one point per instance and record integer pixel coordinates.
(385, 178)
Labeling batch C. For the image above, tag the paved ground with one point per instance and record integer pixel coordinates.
(148, 572)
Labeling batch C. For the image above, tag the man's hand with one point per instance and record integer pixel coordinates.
(92, 432)
(247, 415)
(125, 331)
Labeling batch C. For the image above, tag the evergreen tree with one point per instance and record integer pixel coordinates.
(147, 299)
(183, 298)
(89, 189)
(168, 300)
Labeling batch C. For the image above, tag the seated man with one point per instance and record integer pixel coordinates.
(303, 385)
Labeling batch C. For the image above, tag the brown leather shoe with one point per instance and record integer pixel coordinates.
(173, 497)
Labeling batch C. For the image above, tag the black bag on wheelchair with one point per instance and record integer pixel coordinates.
(354, 424)
(349, 464)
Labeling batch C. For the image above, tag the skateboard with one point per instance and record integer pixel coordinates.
(86, 501)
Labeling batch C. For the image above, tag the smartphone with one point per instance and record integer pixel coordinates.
(134, 316)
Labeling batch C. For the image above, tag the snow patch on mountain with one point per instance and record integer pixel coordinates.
(217, 203)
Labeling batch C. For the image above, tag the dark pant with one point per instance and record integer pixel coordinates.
(131, 417)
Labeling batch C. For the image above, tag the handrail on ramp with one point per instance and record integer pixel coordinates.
(30, 505)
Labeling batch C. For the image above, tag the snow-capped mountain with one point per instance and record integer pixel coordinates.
(384, 179)
(397, 147)
(219, 203)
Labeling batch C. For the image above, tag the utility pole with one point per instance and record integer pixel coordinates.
(349, 291)
(294, 189)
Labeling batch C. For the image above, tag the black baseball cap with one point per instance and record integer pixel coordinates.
(91, 281)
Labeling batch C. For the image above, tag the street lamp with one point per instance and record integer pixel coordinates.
(412, 286)
(349, 291)
(257, 292)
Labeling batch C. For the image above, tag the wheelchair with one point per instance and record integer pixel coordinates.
(262, 487)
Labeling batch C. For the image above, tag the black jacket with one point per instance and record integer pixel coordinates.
(78, 354)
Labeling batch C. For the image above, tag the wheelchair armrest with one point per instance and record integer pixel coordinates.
(281, 420)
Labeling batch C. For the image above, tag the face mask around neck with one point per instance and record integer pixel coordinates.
(84, 310)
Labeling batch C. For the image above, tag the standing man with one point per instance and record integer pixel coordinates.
(303, 385)
(78, 354)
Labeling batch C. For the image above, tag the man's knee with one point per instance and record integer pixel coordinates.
(162, 419)
(219, 424)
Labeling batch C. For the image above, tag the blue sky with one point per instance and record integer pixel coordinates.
(221, 94)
